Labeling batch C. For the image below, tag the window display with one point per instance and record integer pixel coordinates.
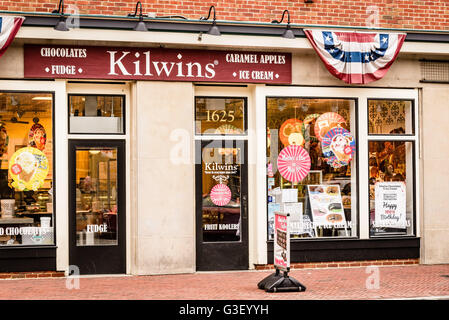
(221, 200)
(311, 162)
(96, 196)
(26, 169)
(220, 116)
(391, 187)
(96, 114)
(390, 117)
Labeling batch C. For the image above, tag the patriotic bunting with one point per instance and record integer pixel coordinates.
(9, 26)
(356, 57)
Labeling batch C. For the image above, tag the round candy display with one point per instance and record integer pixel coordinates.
(327, 121)
(338, 147)
(293, 163)
(37, 136)
(287, 128)
(220, 194)
(28, 167)
(296, 138)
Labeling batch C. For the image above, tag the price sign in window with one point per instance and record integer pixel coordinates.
(220, 116)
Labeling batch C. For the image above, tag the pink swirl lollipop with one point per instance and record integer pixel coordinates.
(220, 195)
(293, 163)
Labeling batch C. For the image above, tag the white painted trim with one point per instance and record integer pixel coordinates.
(60, 143)
(117, 89)
(191, 39)
(261, 173)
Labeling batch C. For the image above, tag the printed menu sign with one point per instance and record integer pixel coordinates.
(327, 206)
(390, 205)
(281, 242)
(295, 216)
(128, 63)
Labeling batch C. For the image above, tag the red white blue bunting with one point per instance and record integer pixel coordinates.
(356, 57)
(9, 26)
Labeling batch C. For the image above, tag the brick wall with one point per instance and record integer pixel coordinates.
(406, 14)
(344, 264)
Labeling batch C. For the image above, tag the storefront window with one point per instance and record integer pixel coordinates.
(391, 167)
(390, 117)
(96, 196)
(26, 170)
(221, 200)
(220, 116)
(391, 188)
(311, 166)
(96, 114)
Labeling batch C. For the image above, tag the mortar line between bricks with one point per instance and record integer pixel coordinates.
(208, 272)
(421, 298)
(93, 276)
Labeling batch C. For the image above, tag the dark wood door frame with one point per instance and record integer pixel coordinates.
(215, 256)
(98, 259)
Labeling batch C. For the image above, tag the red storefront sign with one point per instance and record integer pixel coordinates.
(127, 63)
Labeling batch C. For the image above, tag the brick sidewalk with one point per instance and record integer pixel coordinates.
(329, 284)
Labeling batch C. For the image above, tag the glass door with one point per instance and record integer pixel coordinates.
(97, 212)
(222, 210)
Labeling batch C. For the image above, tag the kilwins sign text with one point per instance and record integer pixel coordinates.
(89, 62)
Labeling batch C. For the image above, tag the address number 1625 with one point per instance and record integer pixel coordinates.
(220, 116)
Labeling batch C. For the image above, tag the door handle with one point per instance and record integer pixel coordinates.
(245, 206)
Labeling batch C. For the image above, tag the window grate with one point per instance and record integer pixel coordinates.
(434, 71)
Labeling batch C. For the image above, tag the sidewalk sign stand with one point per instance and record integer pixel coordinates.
(277, 282)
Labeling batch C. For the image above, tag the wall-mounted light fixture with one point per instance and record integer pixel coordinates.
(140, 26)
(213, 29)
(288, 33)
(61, 25)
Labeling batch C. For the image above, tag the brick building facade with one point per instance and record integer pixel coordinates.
(136, 185)
(400, 14)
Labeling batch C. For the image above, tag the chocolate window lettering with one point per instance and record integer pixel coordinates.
(26, 169)
(311, 166)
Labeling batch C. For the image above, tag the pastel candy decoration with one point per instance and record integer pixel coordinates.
(296, 138)
(327, 121)
(293, 163)
(220, 195)
(287, 128)
(338, 147)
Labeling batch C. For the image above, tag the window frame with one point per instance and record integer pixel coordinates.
(414, 139)
(341, 92)
(357, 186)
(54, 189)
(412, 109)
(219, 136)
(123, 96)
